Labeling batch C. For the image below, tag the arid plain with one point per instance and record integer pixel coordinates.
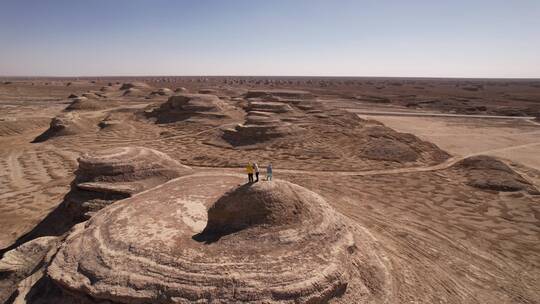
(386, 190)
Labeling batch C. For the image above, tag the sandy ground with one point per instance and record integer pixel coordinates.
(441, 241)
(515, 139)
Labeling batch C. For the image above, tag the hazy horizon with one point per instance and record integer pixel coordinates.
(461, 39)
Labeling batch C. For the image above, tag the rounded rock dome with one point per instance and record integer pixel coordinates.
(268, 242)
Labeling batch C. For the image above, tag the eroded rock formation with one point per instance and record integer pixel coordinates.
(489, 173)
(109, 175)
(66, 124)
(193, 107)
(261, 244)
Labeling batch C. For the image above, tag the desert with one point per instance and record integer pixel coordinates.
(383, 192)
(270, 152)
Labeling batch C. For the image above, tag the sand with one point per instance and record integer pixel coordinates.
(429, 234)
(516, 140)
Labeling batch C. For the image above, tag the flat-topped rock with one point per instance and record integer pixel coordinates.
(278, 93)
(136, 85)
(107, 176)
(128, 164)
(194, 103)
(208, 91)
(258, 130)
(269, 106)
(255, 119)
(192, 106)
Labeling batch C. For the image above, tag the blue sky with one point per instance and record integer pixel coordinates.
(483, 38)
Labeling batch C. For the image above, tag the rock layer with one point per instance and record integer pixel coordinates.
(106, 176)
(278, 93)
(84, 103)
(191, 106)
(152, 248)
(262, 124)
(389, 149)
(21, 262)
(489, 173)
(127, 164)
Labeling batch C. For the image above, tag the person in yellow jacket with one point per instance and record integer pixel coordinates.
(249, 170)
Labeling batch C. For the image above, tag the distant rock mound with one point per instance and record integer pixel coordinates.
(134, 85)
(208, 91)
(489, 173)
(118, 121)
(258, 127)
(133, 92)
(191, 106)
(269, 242)
(64, 125)
(86, 104)
(94, 95)
(269, 106)
(382, 143)
(389, 149)
(373, 98)
(265, 120)
(278, 93)
(162, 92)
(107, 89)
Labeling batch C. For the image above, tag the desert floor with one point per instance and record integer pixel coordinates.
(439, 239)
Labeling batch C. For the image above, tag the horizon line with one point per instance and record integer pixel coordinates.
(292, 76)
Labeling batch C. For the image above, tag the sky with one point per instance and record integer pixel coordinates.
(405, 38)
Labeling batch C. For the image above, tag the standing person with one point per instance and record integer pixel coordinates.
(249, 170)
(269, 172)
(256, 168)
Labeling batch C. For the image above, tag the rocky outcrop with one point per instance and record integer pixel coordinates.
(269, 106)
(84, 103)
(134, 85)
(377, 142)
(258, 127)
(106, 176)
(208, 91)
(191, 106)
(261, 244)
(297, 94)
(489, 173)
(162, 92)
(65, 124)
(263, 122)
(19, 263)
(389, 150)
